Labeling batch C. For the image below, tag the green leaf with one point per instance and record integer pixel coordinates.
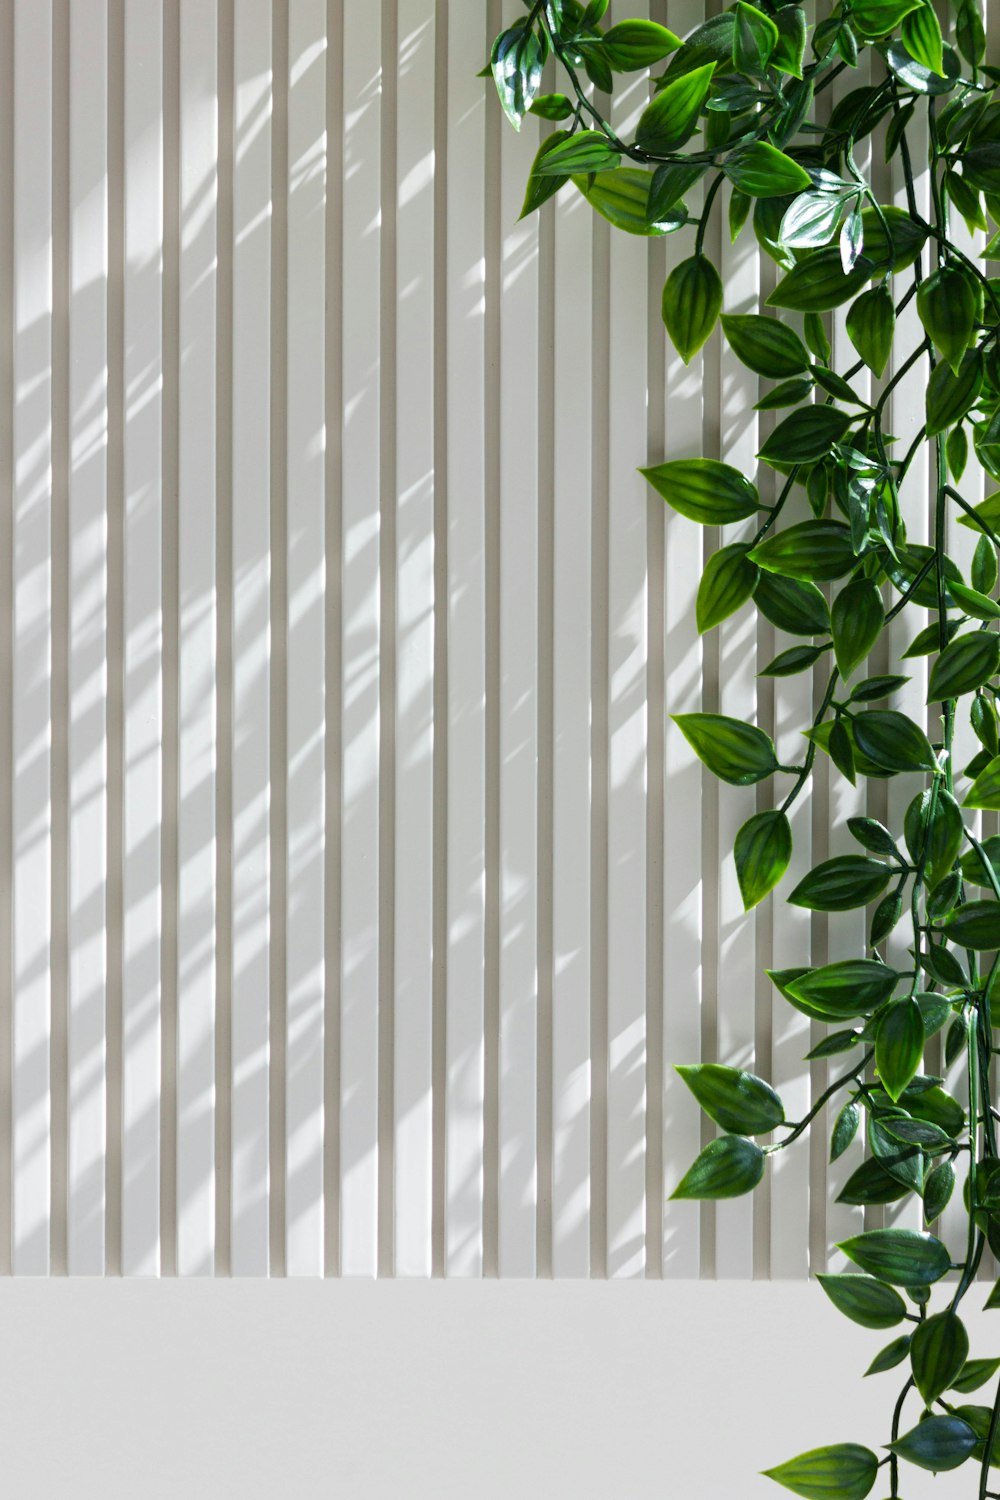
(795, 659)
(727, 583)
(950, 397)
(939, 1108)
(892, 740)
(957, 451)
(872, 835)
(857, 619)
(552, 107)
(938, 1190)
(817, 283)
(845, 1127)
(937, 1443)
(832, 1046)
(727, 1168)
(622, 197)
(987, 513)
(933, 829)
(871, 324)
(786, 393)
(672, 117)
(979, 606)
(972, 864)
(765, 172)
(516, 62)
(841, 884)
(808, 434)
(843, 1471)
(981, 167)
(669, 185)
(939, 1349)
(541, 186)
(969, 31)
(899, 1045)
(765, 345)
(984, 571)
(878, 17)
(692, 301)
(850, 987)
(754, 40)
(632, 45)
(892, 1355)
(587, 151)
(704, 490)
(985, 790)
(975, 925)
(790, 50)
(921, 33)
(946, 304)
(872, 688)
(965, 664)
(738, 1101)
(762, 851)
(793, 606)
(975, 1373)
(812, 220)
(814, 551)
(903, 1257)
(735, 752)
(865, 1300)
(872, 1186)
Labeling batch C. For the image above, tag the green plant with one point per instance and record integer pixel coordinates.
(741, 99)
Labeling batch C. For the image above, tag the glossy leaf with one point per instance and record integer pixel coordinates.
(762, 851)
(937, 1444)
(736, 1100)
(735, 752)
(965, 664)
(974, 1374)
(938, 1352)
(849, 987)
(975, 925)
(946, 304)
(938, 1189)
(843, 1471)
(516, 61)
(622, 197)
(857, 619)
(812, 552)
(672, 116)
(794, 605)
(587, 151)
(903, 1257)
(892, 740)
(692, 301)
(871, 324)
(704, 490)
(806, 435)
(765, 345)
(892, 1355)
(727, 1168)
(841, 884)
(765, 172)
(899, 1045)
(845, 1127)
(985, 790)
(631, 45)
(727, 583)
(865, 1300)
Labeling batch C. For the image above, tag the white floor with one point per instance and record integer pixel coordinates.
(520, 1391)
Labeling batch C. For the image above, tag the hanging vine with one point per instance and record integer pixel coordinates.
(738, 100)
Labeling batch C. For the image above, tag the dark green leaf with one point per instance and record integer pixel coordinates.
(850, 987)
(872, 835)
(870, 689)
(937, 1443)
(786, 393)
(622, 197)
(587, 151)
(692, 301)
(892, 740)
(950, 397)
(840, 884)
(762, 851)
(812, 220)
(735, 752)
(871, 324)
(672, 117)
(789, 53)
(946, 303)
(857, 618)
(975, 925)
(552, 107)
(843, 1471)
(903, 1257)
(516, 61)
(865, 1300)
(727, 1168)
(892, 1355)
(811, 551)
(975, 1373)
(939, 1349)
(726, 584)
(738, 1101)
(979, 606)
(845, 1127)
(972, 864)
(792, 605)
(966, 663)
(669, 185)
(806, 435)
(540, 186)
(870, 1185)
(832, 1046)
(981, 166)
(899, 1045)
(985, 790)
(704, 490)
(938, 1190)
(934, 831)
(817, 283)
(795, 659)
(765, 345)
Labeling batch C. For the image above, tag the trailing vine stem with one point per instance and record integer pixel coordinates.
(834, 561)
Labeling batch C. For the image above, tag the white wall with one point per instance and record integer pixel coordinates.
(358, 893)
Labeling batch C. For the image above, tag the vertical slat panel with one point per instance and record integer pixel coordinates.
(518, 710)
(466, 852)
(360, 604)
(143, 751)
(307, 165)
(252, 395)
(737, 955)
(196, 833)
(627, 693)
(571, 711)
(32, 708)
(414, 634)
(88, 636)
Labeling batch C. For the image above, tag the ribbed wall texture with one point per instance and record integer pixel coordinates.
(357, 892)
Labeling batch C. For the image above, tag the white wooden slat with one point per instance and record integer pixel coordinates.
(252, 395)
(518, 710)
(907, 412)
(627, 728)
(414, 946)
(307, 628)
(143, 636)
(737, 954)
(571, 736)
(360, 603)
(88, 855)
(466, 851)
(683, 854)
(197, 740)
(32, 636)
